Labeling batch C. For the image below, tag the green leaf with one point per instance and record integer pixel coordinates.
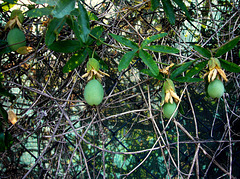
(63, 7)
(74, 26)
(187, 79)
(2, 142)
(204, 52)
(75, 61)
(4, 92)
(148, 60)
(3, 113)
(125, 41)
(97, 33)
(11, 1)
(154, 4)
(196, 69)
(162, 49)
(149, 73)
(50, 2)
(67, 46)
(227, 46)
(180, 69)
(168, 9)
(4, 48)
(39, 12)
(148, 40)
(126, 59)
(181, 4)
(92, 16)
(54, 28)
(83, 21)
(229, 66)
(1, 78)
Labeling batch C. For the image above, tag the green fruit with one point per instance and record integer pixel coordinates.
(18, 13)
(215, 89)
(16, 39)
(168, 110)
(93, 92)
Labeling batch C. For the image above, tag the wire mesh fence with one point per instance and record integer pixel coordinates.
(58, 135)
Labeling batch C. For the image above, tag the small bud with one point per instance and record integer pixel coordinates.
(12, 117)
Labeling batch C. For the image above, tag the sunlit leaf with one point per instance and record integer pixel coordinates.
(203, 51)
(162, 49)
(83, 21)
(168, 9)
(125, 60)
(54, 28)
(39, 12)
(227, 46)
(181, 4)
(229, 66)
(180, 69)
(154, 4)
(148, 60)
(63, 7)
(67, 46)
(75, 61)
(125, 41)
(197, 68)
(50, 2)
(148, 40)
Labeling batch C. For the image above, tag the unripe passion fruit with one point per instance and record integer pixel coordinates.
(14, 37)
(93, 92)
(215, 89)
(168, 109)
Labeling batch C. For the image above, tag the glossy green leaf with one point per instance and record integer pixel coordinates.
(197, 68)
(83, 21)
(168, 9)
(154, 4)
(92, 17)
(187, 79)
(204, 52)
(4, 47)
(162, 49)
(1, 78)
(54, 28)
(50, 2)
(181, 4)
(180, 69)
(97, 33)
(39, 12)
(149, 73)
(2, 142)
(148, 40)
(148, 60)
(229, 66)
(63, 7)
(75, 61)
(4, 92)
(126, 59)
(67, 46)
(74, 26)
(3, 113)
(125, 41)
(227, 46)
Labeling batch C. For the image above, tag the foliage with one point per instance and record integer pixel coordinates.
(141, 45)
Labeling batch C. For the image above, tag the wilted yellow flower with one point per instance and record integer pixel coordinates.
(215, 70)
(166, 69)
(93, 70)
(170, 92)
(12, 117)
